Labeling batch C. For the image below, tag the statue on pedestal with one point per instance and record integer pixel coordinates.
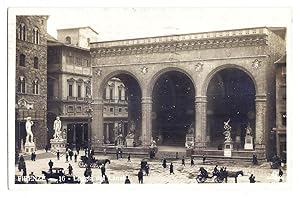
(227, 132)
(132, 128)
(248, 130)
(57, 128)
(28, 125)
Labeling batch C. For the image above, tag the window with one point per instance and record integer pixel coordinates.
(36, 62)
(111, 94)
(22, 60)
(120, 110)
(70, 109)
(68, 40)
(35, 87)
(79, 91)
(70, 90)
(111, 109)
(283, 118)
(120, 93)
(36, 35)
(21, 84)
(22, 32)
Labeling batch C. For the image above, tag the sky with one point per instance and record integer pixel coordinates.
(124, 23)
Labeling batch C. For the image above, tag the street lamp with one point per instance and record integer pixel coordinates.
(89, 111)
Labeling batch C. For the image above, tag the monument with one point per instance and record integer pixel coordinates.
(131, 135)
(228, 144)
(29, 146)
(58, 142)
(189, 137)
(248, 139)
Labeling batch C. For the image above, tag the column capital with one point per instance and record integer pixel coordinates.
(200, 99)
(146, 100)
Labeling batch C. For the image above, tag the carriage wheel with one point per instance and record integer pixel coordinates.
(81, 164)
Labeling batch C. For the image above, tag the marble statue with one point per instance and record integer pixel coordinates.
(227, 133)
(57, 128)
(248, 130)
(28, 125)
(131, 130)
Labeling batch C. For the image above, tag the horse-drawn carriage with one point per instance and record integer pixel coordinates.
(218, 176)
(94, 163)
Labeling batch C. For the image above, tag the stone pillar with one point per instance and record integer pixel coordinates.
(146, 121)
(107, 132)
(82, 132)
(74, 134)
(97, 122)
(260, 102)
(200, 122)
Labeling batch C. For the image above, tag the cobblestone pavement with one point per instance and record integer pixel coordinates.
(118, 169)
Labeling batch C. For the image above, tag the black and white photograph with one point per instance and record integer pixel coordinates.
(152, 95)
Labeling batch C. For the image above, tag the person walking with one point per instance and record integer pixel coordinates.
(75, 156)
(140, 176)
(192, 161)
(127, 181)
(50, 165)
(183, 161)
(203, 158)
(147, 169)
(70, 168)
(225, 174)
(71, 154)
(67, 157)
(129, 160)
(164, 164)
(57, 154)
(171, 168)
(117, 153)
(254, 159)
(31, 156)
(102, 170)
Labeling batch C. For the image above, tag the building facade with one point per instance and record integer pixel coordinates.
(69, 88)
(31, 78)
(226, 75)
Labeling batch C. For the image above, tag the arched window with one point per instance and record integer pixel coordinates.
(36, 36)
(22, 32)
(22, 60)
(21, 84)
(36, 62)
(68, 40)
(35, 86)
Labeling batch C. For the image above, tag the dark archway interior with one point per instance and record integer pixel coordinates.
(230, 94)
(133, 96)
(173, 108)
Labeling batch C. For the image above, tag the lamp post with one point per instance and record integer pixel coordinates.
(89, 112)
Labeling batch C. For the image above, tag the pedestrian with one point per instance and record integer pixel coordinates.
(280, 173)
(67, 157)
(21, 163)
(128, 158)
(252, 179)
(71, 154)
(225, 174)
(216, 169)
(120, 152)
(78, 149)
(254, 159)
(203, 159)
(164, 164)
(104, 151)
(57, 154)
(24, 171)
(147, 169)
(192, 161)
(171, 168)
(75, 157)
(70, 168)
(183, 161)
(102, 170)
(105, 181)
(176, 155)
(140, 176)
(34, 156)
(92, 152)
(50, 165)
(117, 153)
(127, 181)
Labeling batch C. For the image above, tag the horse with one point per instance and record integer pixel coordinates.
(102, 162)
(235, 174)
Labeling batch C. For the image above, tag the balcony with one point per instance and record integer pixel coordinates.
(81, 99)
(71, 98)
(115, 101)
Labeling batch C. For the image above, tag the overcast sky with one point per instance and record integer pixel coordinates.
(123, 23)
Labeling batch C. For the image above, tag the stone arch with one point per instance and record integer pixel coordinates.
(108, 76)
(212, 73)
(159, 73)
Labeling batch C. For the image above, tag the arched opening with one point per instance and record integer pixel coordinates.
(230, 95)
(173, 108)
(122, 109)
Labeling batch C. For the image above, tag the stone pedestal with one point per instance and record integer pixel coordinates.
(248, 142)
(58, 144)
(29, 147)
(129, 142)
(228, 147)
(189, 141)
